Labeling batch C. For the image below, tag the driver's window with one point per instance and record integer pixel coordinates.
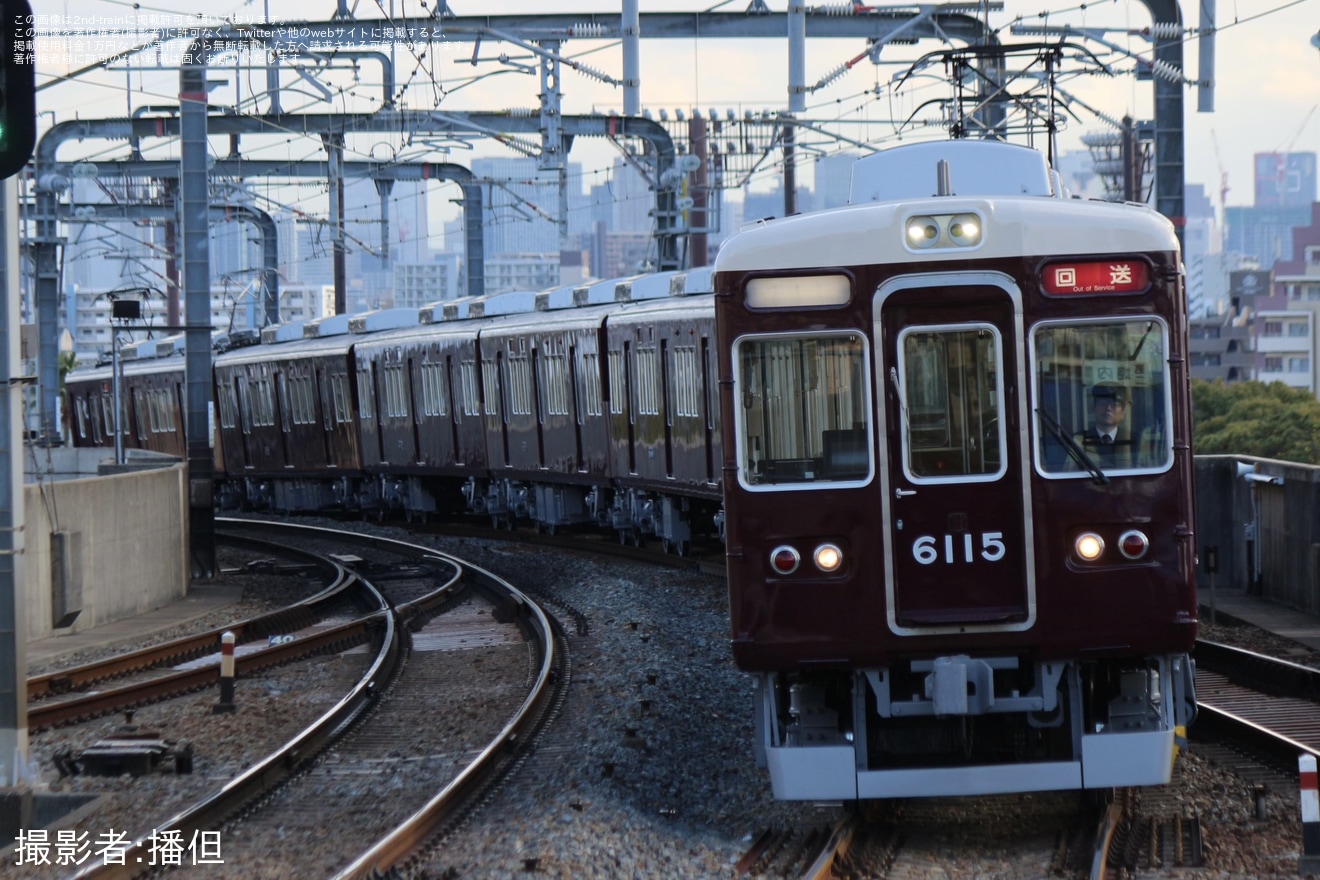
(1101, 396)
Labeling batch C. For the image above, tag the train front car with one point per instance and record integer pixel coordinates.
(942, 581)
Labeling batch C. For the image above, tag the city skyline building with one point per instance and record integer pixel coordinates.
(1266, 332)
(1284, 180)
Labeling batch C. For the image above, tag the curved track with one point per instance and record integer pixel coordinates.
(378, 685)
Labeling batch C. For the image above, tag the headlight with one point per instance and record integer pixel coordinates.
(965, 230)
(828, 558)
(923, 232)
(1089, 546)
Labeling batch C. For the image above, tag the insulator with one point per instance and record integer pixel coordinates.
(591, 72)
(832, 75)
(1164, 30)
(834, 9)
(1165, 70)
(521, 111)
(588, 31)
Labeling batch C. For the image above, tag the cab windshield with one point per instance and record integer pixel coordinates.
(1101, 397)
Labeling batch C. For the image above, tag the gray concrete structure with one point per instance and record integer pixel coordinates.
(1263, 516)
(100, 549)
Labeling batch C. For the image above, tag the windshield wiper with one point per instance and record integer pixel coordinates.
(1150, 325)
(1078, 454)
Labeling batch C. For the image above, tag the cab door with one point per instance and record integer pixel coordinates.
(959, 554)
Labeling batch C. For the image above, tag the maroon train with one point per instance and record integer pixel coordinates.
(581, 405)
(940, 581)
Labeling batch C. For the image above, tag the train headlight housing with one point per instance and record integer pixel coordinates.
(828, 558)
(1133, 544)
(784, 559)
(943, 231)
(1088, 546)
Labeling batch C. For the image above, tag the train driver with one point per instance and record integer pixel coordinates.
(1107, 437)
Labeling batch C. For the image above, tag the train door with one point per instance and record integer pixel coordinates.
(955, 487)
(709, 407)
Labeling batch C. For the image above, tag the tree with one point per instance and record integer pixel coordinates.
(1252, 418)
(68, 360)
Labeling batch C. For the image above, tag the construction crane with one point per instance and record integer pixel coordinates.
(1301, 128)
(1223, 184)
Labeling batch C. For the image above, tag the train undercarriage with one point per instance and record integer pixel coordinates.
(634, 515)
(960, 725)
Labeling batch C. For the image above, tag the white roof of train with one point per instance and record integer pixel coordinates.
(1014, 226)
(1020, 211)
(976, 168)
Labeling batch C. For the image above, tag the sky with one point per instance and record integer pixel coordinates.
(1266, 97)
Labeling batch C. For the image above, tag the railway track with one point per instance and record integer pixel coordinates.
(1038, 835)
(190, 663)
(1041, 835)
(361, 744)
(1145, 843)
(1269, 704)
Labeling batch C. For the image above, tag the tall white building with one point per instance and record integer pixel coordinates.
(834, 179)
(632, 197)
(422, 283)
(521, 206)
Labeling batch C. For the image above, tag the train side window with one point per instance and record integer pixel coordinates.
(617, 376)
(140, 409)
(435, 390)
(518, 367)
(467, 372)
(80, 409)
(245, 405)
(491, 387)
(554, 382)
(286, 404)
(263, 403)
(339, 393)
(396, 391)
(1101, 396)
(304, 412)
(802, 409)
(646, 359)
(687, 396)
(366, 395)
(950, 376)
(591, 399)
(225, 402)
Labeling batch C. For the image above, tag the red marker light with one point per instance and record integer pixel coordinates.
(784, 559)
(1133, 544)
(1099, 277)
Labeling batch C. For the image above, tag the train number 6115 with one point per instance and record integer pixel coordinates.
(926, 548)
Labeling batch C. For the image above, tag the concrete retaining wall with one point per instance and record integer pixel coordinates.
(104, 548)
(1263, 516)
